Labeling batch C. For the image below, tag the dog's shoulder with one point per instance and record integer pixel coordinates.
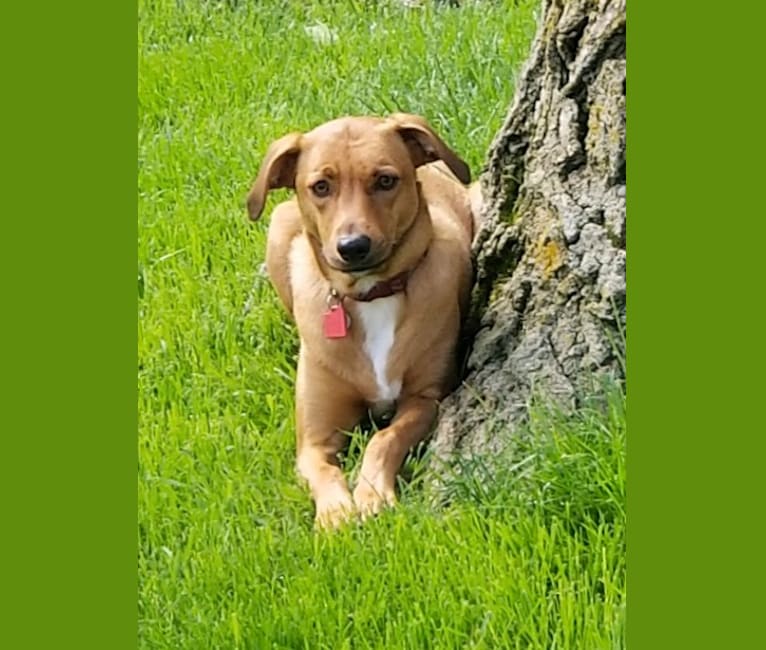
(447, 198)
(284, 231)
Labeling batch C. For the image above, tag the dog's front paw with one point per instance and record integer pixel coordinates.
(370, 499)
(332, 512)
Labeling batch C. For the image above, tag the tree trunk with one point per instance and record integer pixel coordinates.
(548, 306)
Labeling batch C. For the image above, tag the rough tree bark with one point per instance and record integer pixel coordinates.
(548, 307)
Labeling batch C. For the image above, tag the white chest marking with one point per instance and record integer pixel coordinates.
(379, 321)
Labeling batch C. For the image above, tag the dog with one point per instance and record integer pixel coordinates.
(372, 259)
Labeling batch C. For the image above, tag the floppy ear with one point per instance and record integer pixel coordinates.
(425, 146)
(277, 170)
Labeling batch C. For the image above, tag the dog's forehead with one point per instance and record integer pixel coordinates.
(361, 138)
(353, 128)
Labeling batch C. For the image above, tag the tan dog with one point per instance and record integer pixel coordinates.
(372, 258)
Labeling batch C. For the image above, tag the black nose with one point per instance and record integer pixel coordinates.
(354, 248)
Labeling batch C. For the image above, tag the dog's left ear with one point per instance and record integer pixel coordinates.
(425, 146)
(277, 170)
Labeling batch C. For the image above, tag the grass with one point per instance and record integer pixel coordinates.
(529, 550)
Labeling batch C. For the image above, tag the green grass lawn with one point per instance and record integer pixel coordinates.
(529, 550)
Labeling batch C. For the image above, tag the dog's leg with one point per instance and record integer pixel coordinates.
(324, 410)
(386, 451)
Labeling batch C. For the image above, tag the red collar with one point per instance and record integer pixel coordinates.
(384, 289)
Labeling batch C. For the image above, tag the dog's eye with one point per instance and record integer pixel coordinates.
(385, 182)
(321, 188)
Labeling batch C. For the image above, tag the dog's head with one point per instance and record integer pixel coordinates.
(355, 182)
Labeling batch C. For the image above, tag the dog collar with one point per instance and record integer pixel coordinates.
(384, 289)
(336, 320)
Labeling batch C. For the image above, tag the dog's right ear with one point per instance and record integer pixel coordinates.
(425, 146)
(277, 170)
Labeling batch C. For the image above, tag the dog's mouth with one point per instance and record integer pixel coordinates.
(369, 264)
(355, 269)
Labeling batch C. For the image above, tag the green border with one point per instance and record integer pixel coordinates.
(696, 242)
(69, 230)
(69, 242)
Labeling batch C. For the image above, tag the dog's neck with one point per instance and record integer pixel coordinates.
(407, 254)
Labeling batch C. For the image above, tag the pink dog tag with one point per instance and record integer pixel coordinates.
(335, 322)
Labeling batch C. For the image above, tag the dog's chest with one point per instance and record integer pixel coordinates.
(379, 319)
